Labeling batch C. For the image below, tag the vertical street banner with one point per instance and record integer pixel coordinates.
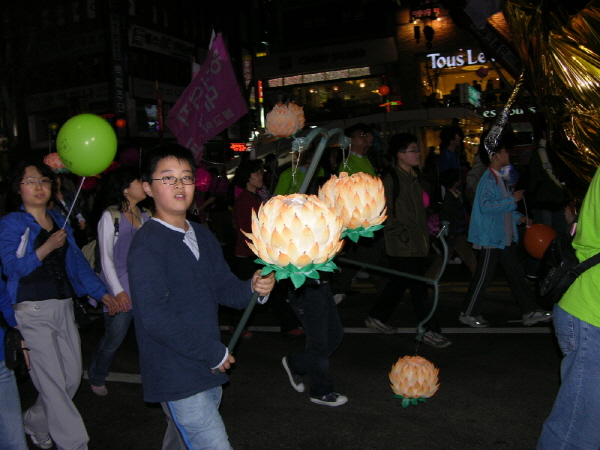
(211, 103)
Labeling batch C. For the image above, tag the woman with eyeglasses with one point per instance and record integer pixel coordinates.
(118, 224)
(44, 270)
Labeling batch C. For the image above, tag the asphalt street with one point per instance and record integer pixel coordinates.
(497, 384)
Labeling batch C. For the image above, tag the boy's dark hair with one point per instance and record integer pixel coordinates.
(245, 170)
(507, 140)
(19, 173)
(447, 134)
(358, 127)
(400, 142)
(449, 177)
(161, 152)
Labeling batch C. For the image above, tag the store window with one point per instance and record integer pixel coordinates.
(443, 73)
(331, 95)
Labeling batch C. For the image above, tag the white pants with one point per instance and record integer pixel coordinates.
(50, 332)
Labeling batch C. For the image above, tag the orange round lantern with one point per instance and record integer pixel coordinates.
(537, 239)
(383, 90)
(121, 123)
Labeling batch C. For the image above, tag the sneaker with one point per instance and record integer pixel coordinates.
(99, 390)
(245, 333)
(46, 443)
(436, 339)
(536, 316)
(295, 380)
(473, 321)
(380, 326)
(456, 260)
(339, 297)
(331, 399)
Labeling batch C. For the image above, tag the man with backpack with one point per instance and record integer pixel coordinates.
(406, 241)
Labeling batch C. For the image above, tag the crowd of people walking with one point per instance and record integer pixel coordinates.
(160, 264)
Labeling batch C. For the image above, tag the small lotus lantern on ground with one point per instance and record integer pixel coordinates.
(284, 120)
(359, 200)
(55, 163)
(296, 236)
(414, 379)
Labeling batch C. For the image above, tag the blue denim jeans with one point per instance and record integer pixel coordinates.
(115, 330)
(12, 435)
(315, 307)
(571, 424)
(194, 423)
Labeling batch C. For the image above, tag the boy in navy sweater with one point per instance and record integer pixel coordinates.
(178, 278)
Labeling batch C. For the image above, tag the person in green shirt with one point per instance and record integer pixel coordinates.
(291, 179)
(572, 423)
(361, 139)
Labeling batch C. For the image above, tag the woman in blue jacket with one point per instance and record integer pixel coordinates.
(44, 270)
(11, 421)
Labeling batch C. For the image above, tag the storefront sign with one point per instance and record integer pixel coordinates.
(239, 147)
(513, 111)
(469, 95)
(464, 59)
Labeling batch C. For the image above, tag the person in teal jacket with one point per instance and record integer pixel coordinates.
(572, 422)
(493, 230)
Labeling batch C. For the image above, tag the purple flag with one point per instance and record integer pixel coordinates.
(212, 102)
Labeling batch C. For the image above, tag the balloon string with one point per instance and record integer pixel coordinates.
(73, 204)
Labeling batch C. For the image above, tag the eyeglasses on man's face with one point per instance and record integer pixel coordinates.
(44, 182)
(171, 180)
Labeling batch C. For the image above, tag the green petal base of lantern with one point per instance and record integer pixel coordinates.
(361, 231)
(410, 401)
(298, 276)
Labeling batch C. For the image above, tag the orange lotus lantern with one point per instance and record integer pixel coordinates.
(414, 379)
(296, 236)
(359, 200)
(285, 120)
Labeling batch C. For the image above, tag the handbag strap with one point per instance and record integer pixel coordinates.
(3, 323)
(585, 265)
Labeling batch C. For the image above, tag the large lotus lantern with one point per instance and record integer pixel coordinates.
(285, 120)
(414, 379)
(53, 161)
(359, 200)
(296, 236)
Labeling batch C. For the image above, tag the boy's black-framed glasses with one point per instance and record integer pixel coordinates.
(171, 180)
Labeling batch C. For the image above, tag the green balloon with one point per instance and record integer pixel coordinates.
(86, 144)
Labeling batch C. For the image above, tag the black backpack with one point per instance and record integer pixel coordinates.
(561, 268)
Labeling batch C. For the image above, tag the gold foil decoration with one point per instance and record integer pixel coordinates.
(559, 44)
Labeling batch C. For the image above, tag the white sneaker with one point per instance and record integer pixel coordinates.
(380, 326)
(473, 321)
(536, 316)
(45, 444)
(339, 297)
(436, 339)
(331, 399)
